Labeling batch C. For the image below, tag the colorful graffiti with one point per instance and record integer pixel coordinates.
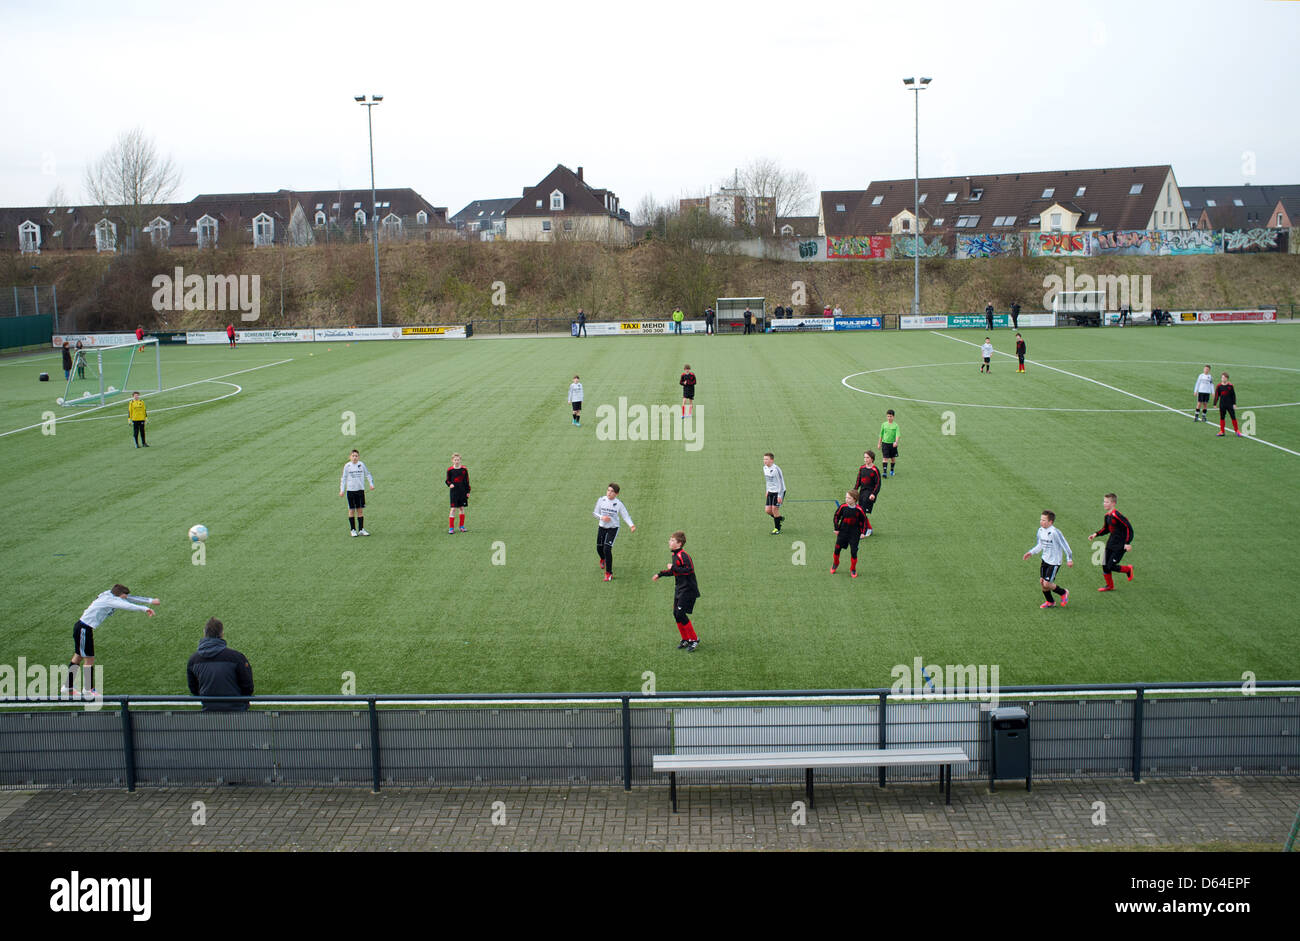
(1189, 242)
(809, 249)
(857, 246)
(905, 247)
(1236, 241)
(1058, 243)
(1124, 242)
(989, 245)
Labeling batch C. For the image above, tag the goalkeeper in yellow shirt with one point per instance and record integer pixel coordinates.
(136, 410)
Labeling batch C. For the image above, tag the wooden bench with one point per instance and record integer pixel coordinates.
(943, 757)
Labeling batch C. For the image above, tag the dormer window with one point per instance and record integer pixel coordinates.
(1056, 221)
(557, 201)
(105, 236)
(1049, 192)
(160, 231)
(905, 225)
(263, 230)
(207, 232)
(29, 238)
(360, 217)
(422, 217)
(392, 225)
(975, 195)
(320, 217)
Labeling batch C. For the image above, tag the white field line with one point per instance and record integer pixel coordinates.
(186, 385)
(1104, 385)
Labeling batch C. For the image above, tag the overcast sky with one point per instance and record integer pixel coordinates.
(483, 98)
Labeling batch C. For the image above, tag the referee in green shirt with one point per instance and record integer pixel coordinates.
(888, 445)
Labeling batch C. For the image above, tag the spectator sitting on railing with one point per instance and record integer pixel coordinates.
(217, 670)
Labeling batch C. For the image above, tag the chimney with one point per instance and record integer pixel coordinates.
(579, 174)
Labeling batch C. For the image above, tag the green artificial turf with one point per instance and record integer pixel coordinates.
(415, 610)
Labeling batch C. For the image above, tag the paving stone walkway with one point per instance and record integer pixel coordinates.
(1220, 813)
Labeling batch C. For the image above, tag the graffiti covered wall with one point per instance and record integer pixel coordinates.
(1124, 242)
(1056, 244)
(1244, 241)
(989, 245)
(1190, 242)
(905, 247)
(858, 246)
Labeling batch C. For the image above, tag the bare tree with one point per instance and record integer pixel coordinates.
(780, 192)
(57, 198)
(133, 178)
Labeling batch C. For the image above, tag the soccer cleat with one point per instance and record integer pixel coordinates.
(1239, 435)
(462, 529)
(1048, 604)
(775, 531)
(608, 576)
(1065, 598)
(1129, 573)
(853, 574)
(1219, 435)
(68, 691)
(353, 532)
(365, 532)
(451, 530)
(1106, 588)
(692, 645)
(90, 693)
(684, 645)
(833, 568)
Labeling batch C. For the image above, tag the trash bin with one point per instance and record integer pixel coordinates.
(1009, 746)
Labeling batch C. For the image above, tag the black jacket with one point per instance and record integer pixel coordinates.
(217, 670)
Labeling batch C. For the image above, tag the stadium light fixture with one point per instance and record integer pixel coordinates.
(374, 202)
(912, 86)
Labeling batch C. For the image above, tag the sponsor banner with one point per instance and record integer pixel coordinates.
(803, 325)
(93, 339)
(358, 333)
(858, 323)
(431, 333)
(924, 322)
(169, 337)
(977, 321)
(1036, 320)
(1224, 316)
(200, 337)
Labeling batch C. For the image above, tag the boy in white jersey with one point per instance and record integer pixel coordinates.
(1051, 543)
(1204, 389)
(353, 482)
(117, 598)
(774, 487)
(608, 510)
(575, 401)
(987, 352)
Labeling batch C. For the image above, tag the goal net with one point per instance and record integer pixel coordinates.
(100, 374)
(1080, 307)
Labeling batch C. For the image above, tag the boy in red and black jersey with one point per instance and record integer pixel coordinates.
(458, 484)
(850, 525)
(1118, 542)
(683, 569)
(1020, 352)
(867, 485)
(687, 382)
(1225, 396)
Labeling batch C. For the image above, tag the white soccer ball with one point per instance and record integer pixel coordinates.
(198, 533)
(59, 400)
(111, 389)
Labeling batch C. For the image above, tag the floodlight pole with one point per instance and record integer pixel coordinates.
(374, 209)
(916, 89)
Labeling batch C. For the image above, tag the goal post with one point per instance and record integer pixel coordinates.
(731, 313)
(1083, 308)
(100, 374)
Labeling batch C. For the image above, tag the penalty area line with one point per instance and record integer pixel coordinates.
(1098, 382)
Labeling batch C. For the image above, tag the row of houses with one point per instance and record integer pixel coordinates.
(564, 205)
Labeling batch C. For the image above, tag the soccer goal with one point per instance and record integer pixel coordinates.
(100, 374)
(1083, 308)
(731, 313)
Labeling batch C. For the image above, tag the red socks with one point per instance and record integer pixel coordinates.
(853, 565)
(1110, 582)
(462, 519)
(688, 632)
(1234, 426)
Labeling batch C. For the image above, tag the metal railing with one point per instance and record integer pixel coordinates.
(611, 738)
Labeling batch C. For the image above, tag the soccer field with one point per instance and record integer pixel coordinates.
(251, 442)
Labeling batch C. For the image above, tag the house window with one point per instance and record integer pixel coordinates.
(787, 229)
(1033, 220)
(263, 230)
(1279, 220)
(839, 207)
(539, 204)
(975, 195)
(1187, 204)
(1092, 217)
(951, 198)
(546, 225)
(360, 217)
(1080, 191)
(1056, 220)
(557, 201)
(568, 225)
(905, 225)
(1135, 189)
(878, 200)
(1211, 203)
(392, 226)
(320, 217)
(207, 232)
(105, 236)
(422, 217)
(1238, 202)
(29, 238)
(939, 221)
(1049, 192)
(1004, 220)
(968, 222)
(160, 231)
(922, 199)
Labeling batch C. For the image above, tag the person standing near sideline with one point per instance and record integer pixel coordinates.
(575, 400)
(1118, 542)
(1015, 315)
(136, 411)
(67, 361)
(80, 363)
(582, 323)
(117, 598)
(709, 318)
(1225, 396)
(218, 670)
(678, 317)
(230, 334)
(1203, 389)
(774, 485)
(749, 321)
(353, 481)
(988, 314)
(608, 510)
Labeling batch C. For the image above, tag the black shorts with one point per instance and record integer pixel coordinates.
(682, 608)
(843, 541)
(1047, 572)
(577, 406)
(688, 392)
(889, 451)
(986, 360)
(1202, 397)
(1228, 410)
(356, 499)
(83, 639)
(459, 499)
(772, 499)
(1114, 556)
